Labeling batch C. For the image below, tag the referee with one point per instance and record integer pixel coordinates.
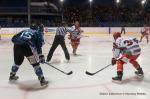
(59, 39)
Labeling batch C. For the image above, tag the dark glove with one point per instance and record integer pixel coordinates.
(113, 61)
(42, 59)
(115, 45)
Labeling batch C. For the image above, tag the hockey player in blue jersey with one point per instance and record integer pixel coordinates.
(28, 43)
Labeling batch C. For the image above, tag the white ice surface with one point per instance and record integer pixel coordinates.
(94, 53)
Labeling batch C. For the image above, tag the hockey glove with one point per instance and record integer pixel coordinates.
(113, 61)
(115, 45)
(42, 59)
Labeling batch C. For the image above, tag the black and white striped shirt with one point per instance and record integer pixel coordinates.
(62, 31)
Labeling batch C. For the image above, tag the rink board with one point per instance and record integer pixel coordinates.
(87, 30)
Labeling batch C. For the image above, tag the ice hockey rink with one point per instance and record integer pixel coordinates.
(94, 53)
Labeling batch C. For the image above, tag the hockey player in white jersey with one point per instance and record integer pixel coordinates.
(75, 36)
(145, 31)
(124, 51)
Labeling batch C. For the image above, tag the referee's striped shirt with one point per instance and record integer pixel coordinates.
(62, 31)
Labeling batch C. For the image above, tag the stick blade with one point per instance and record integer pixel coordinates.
(69, 73)
(88, 73)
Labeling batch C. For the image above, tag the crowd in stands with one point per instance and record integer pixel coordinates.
(96, 16)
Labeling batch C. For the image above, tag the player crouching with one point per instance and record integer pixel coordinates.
(28, 43)
(125, 50)
(75, 36)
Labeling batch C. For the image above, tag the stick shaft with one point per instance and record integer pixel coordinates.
(55, 67)
(47, 42)
(103, 68)
(98, 70)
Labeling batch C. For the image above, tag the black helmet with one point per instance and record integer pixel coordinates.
(33, 27)
(63, 23)
(41, 27)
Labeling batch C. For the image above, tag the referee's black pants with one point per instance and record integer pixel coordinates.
(58, 40)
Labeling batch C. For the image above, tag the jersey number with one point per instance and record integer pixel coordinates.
(26, 35)
(128, 42)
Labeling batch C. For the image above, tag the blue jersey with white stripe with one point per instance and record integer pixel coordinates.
(31, 37)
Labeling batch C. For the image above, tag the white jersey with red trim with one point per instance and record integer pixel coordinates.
(145, 30)
(126, 46)
(75, 33)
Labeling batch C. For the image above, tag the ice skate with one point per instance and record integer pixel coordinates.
(13, 77)
(139, 73)
(43, 82)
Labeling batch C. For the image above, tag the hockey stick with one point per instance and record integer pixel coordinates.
(69, 73)
(91, 74)
(47, 42)
(81, 36)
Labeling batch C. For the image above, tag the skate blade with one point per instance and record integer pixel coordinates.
(76, 55)
(140, 76)
(44, 85)
(13, 81)
(117, 82)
